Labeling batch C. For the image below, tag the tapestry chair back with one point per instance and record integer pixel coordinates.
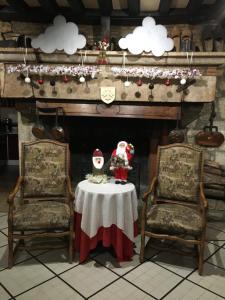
(179, 173)
(44, 167)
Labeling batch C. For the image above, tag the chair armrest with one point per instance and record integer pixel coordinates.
(202, 196)
(69, 188)
(150, 190)
(15, 190)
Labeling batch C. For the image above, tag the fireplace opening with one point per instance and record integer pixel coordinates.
(85, 134)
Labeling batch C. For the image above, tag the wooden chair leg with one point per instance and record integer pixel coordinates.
(22, 242)
(10, 250)
(71, 248)
(142, 251)
(201, 255)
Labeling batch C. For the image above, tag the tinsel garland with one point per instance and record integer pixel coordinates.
(54, 70)
(97, 178)
(155, 72)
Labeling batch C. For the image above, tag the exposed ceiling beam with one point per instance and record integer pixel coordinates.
(93, 16)
(194, 6)
(105, 27)
(19, 5)
(76, 6)
(133, 7)
(164, 6)
(105, 7)
(215, 10)
(49, 6)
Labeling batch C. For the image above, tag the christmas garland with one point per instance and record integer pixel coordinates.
(155, 72)
(97, 178)
(54, 70)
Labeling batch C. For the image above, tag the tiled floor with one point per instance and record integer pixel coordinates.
(47, 275)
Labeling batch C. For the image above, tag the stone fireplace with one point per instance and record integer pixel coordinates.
(85, 133)
(92, 124)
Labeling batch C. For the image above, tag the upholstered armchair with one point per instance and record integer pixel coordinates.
(41, 204)
(174, 207)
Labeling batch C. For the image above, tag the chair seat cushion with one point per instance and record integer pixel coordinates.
(174, 219)
(43, 214)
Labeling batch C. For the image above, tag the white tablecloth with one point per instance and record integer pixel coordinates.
(106, 204)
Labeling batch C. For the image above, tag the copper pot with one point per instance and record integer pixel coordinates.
(57, 131)
(38, 129)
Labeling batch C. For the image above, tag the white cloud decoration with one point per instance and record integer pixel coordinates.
(61, 35)
(148, 37)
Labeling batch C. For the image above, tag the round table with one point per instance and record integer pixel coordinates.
(108, 213)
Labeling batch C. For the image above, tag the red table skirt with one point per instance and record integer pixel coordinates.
(110, 236)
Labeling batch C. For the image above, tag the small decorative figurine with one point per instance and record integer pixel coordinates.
(120, 161)
(97, 175)
(103, 46)
(98, 162)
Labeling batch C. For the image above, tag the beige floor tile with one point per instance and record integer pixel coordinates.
(218, 243)
(149, 252)
(180, 264)
(121, 290)
(213, 278)
(88, 278)
(57, 260)
(210, 249)
(189, 291)
(53, 289)
(3, 294)
(3, 240)
(24, 276)
(213, 234)
(20, 256)
(153, 279)
(3, 222)
(120, 268)
(217, 225)
(218, 259)
(137, 246)
(5, 231)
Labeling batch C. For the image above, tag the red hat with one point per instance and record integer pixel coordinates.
(97, 153)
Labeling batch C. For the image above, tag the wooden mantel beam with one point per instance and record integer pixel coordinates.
(164, 111)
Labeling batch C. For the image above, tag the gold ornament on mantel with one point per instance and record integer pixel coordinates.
(108, 94)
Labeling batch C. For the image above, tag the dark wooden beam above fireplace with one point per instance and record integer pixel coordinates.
(151, 111)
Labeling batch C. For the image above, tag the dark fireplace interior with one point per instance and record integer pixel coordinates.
(85, 134)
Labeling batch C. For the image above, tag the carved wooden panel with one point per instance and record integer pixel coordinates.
(169, 112)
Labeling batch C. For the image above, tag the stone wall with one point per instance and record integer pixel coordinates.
(11, 30)
(201, 115)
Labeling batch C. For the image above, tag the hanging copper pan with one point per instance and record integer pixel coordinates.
(210, 136)
(38, 129)
(57, 131)
(177, 135)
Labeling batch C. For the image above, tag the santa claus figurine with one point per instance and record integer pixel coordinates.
(120, 161)
(98, 162)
